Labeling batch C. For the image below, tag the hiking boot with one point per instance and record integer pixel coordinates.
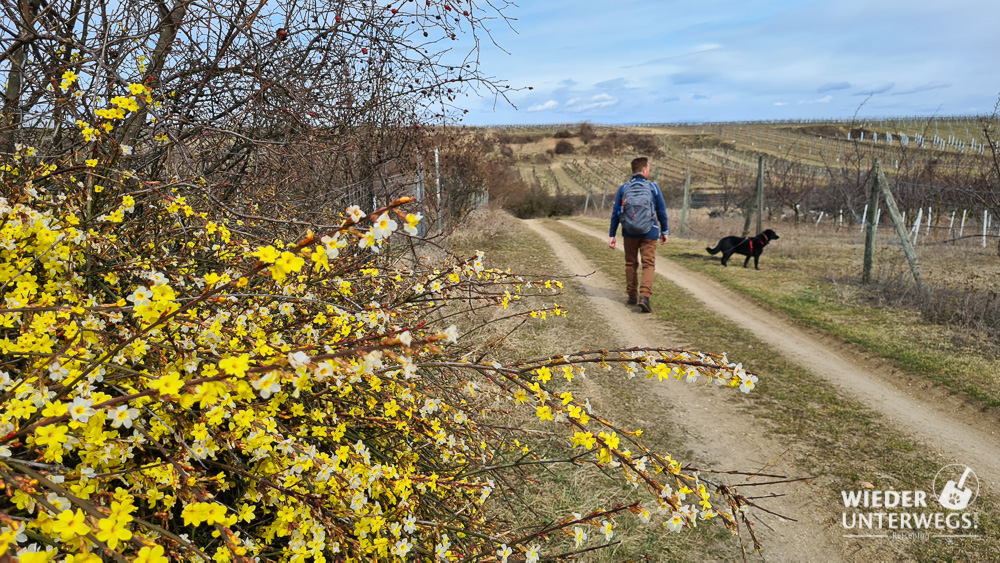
(644, 305)
(632, 299)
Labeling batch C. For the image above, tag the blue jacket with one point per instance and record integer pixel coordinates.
(661, 212)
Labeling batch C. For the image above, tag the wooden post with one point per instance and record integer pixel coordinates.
(437, 187)
(760, 193)
(687, 201)
(758, 204)
(820, 219)
(421, 226)
(986, 216)
(961, 230)
(604, 196)
(870, 226)
(915, 231)
(897, 221)
(586, 202)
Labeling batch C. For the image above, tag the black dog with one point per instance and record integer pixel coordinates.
(747, 246)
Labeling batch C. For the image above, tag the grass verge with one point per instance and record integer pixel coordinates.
(816, 288)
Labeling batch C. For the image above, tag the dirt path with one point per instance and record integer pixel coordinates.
(725, 442)
(944, 424)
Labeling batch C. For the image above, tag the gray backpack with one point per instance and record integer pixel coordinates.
(638, 213)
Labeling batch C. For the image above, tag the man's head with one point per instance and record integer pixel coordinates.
(641, 166)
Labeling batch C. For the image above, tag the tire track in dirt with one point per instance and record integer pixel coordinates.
(716, 431)
(940, 423)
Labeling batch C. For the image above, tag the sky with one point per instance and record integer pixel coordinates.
(722, 60)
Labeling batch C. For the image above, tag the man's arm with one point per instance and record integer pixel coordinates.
(661, 213)
(616, 210)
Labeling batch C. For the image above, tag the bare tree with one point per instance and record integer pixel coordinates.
(268, 102)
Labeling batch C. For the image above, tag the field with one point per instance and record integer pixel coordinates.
(705, 149)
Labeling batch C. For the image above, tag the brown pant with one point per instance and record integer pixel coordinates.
(636, 248)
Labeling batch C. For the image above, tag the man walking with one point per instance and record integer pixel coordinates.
(640, 210)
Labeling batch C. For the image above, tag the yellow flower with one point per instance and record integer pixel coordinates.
(237, 366)
(54, 435)
(54, 409)
(203, 512)
(544, 413)
(127, 104)
(289, 262)
(71, 524)
(391, 408)
(585, 439)
(544, 375)
(267, 254)
(112, 530)
(91, 162)
(168, 385)
(568, 373)
(151, 555)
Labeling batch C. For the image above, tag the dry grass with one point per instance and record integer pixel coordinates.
(556, 492)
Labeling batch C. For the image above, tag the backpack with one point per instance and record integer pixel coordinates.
(638, 213)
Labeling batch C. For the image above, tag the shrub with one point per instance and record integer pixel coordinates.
(563, 134)
(564, 147)
(212, 352)
(193, 392)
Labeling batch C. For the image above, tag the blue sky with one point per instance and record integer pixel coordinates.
(720, 60)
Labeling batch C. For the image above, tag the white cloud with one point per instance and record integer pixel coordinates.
(596, 102)
(824, 100)
(779, 104)
(551, 104)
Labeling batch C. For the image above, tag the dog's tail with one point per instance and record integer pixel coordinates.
(712, 251)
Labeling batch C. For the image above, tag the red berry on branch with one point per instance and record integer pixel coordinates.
(364, 51)
(465, 12)
(336, 18)
(394, 10)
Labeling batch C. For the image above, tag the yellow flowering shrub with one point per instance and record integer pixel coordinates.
(206, 395)
(182, 379)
